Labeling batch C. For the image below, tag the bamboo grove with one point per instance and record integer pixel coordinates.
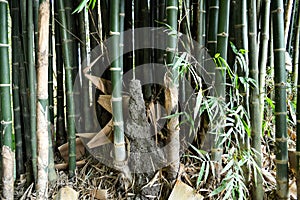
(46, 48)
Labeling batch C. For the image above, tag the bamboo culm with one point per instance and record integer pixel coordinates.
(282, 178)
(67, 55)
(6, 114)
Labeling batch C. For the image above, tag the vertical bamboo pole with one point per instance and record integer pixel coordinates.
(23, 90)
(171, 92)
(6, 117)
(116, 74)
(87, 121)
(297, 45)
(42, 101)
(213, 27)
(31, 84)
(67, 53)
(256, 122)
(60, 97)
(277, 9)
(16, 85)
(263, 57)
(220, 77)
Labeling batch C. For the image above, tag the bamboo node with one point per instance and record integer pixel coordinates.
(282, 162)
(212, 42)
(283, 139)
(279, 49)
(223, 34)
(115, 69)
(2, 44)
(213, 150)
(6, 122)
(119, 124)
(3, 1)
(172, 8)
(114, 33)
(280, 84)
(214, 7)
(5, 85)
(280, 113)
(114, 99)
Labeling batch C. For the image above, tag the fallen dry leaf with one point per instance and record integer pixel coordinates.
(100, 194)
(103, 137)
(64, 150)
(63, 166)
(183, 191)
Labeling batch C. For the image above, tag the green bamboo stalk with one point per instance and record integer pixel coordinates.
(172, 90)
(50, 72)
(25, 115)
(280, 100)
(122, 19)
(145, 53)
(67, 54)
(241, 26)
(24, 92)
(87, 121)
(35, 8)
(23, 83)
(51, 167)
(220, 77)
(201, 24)
(161, 18)
(116, 71)
(287, 20)
(72, 36)
(104, 20)
(213, 27)
(231, 57)
(16, 84)
(93, 23)
(296, 42)
(241, 42)
(6, 117)
(256, 122)
(1, 144)
(42, 101)
(72, 32)
(31, 85)
(258, 8)
(297, 45)
(60, 113)
(263, 53)
(292, 29)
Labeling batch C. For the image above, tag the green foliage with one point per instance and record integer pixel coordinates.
(237, 129)
(85, 3)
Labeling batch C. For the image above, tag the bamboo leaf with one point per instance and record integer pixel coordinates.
(198, 103)
(228, 166)
(80, 6)
(201, 172)
(221, 188)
